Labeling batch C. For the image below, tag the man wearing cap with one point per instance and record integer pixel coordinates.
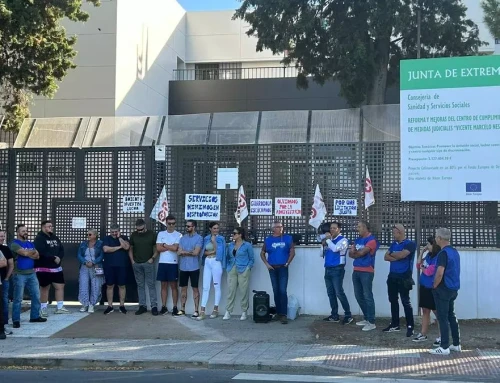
(399, 283)
(142, 255)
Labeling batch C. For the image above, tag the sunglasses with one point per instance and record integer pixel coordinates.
(234, 233)
(171, 223)
(89, 235)
(189, 227)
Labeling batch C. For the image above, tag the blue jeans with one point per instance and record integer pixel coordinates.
(362, 282)
(31, 282)
(5, 300)
(334, 280)
(279, 280)
(445, 308)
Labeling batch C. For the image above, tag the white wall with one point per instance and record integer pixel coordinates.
(88, 89)
(477, 298)
(151, 35)
(215, 37)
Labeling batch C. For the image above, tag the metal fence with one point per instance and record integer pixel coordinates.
(65, 183)
(217, 73)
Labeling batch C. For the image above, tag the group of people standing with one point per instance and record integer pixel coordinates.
(439, 265)
(35, 266)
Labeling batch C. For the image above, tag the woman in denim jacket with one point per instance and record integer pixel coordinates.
(239, 262)
(91, 278)
(214, 255)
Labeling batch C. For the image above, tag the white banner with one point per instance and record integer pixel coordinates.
(133, 204)
(261, 207)
(288, 207)
(347, 207)
(202, 207)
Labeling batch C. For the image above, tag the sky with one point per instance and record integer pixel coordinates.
(209, 5)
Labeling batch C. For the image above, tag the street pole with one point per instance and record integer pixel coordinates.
(419, 28)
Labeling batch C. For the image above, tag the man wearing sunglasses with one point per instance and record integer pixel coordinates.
(142, 255)
(189, 263)
(167, 244)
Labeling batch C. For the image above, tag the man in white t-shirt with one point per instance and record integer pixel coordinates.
(167, 244)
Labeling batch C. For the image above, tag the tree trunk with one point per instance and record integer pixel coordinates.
(377, 94)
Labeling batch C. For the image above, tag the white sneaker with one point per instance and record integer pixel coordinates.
(243, 315)
(44, 313)
(455, 348)
(440, 351)
(362, 323)
(62, 310)
(369, 327)
(227, 316)
(91, 309)
(83, 309)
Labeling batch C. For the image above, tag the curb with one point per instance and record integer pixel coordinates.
(76, 364)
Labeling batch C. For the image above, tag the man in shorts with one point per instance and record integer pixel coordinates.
(189, 264)
(167, 244)
(48, 268)
(115, 247)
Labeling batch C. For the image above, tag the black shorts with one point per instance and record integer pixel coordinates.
(168, 272)
(426, 298)
(185, 276)
(46, 279)
(115, 275)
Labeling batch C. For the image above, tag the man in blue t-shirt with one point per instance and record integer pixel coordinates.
(445, 292)
(116, 260)
(401, 254)
(280, 253)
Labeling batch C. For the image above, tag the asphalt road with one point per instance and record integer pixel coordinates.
(178, 376)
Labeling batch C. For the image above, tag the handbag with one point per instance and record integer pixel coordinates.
(408, 283)
(99, 271)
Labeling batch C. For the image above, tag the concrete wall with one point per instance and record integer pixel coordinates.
(475, 299)
(151, 38)
(215, 37)
(88, 89)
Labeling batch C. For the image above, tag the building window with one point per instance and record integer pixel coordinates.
(206, 71)
(220, 71)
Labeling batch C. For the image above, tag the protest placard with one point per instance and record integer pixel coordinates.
(202, 207)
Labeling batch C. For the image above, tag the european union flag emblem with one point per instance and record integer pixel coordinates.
(473, 187)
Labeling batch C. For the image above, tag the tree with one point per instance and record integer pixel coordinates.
(35, 51)
(491, 9)
(359, 43)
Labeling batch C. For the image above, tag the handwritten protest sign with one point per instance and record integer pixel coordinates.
(288, 207)
(202, 207)
(261, 207)
(133, 204)
(345, 207)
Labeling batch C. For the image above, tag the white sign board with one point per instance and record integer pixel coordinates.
(202, 207)
(160, 153)
(261, 207)
(450, 129)
(347, 207)
(288, 207)
(227, 178)
(79, 223)
(133, 204)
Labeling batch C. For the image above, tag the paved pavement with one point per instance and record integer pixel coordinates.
(87, 341)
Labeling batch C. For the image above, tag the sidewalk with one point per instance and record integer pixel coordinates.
(169, 342)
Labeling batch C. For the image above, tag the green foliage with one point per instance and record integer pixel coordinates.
(35, 52)
(491, 9)
(359, 43)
